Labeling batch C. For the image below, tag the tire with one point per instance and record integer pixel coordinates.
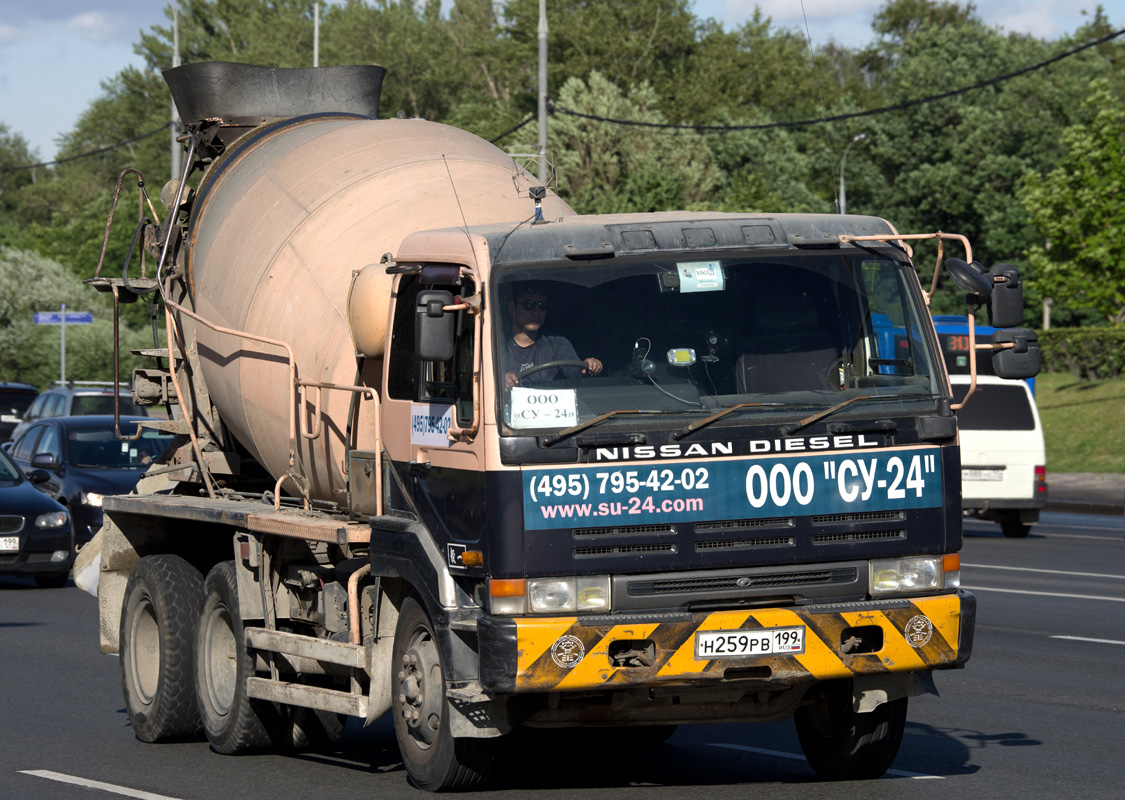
(434, 760)
(1013, 528)
(233, 721)
(314, 730)
(841, 744)
(51, 581)
(157, 640)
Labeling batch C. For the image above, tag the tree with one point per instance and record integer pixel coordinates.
(1079, 208)
(605, 168)
(29, 353)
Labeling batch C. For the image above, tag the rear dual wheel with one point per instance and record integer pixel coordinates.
(157, 632)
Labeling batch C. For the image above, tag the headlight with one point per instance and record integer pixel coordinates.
(907, 575)
(56, 519)
(551, 595)
(92, 499)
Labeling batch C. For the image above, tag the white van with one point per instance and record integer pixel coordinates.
(1003, 458)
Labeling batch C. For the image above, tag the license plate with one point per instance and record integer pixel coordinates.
(9, 544)
(742, 643)
(982, 474)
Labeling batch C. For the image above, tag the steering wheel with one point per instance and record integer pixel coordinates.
(566, 362)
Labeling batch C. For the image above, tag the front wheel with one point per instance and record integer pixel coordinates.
(843, 744)
(434, 759)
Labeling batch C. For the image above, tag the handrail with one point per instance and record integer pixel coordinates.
(315, 433)
(894, 237)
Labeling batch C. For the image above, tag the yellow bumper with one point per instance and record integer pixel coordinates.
(562, 654)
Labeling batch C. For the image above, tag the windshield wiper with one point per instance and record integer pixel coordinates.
(787, 430)
(708, 420)
(565, 432)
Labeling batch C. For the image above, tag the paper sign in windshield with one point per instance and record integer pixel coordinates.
(700, 276)
(544, 408)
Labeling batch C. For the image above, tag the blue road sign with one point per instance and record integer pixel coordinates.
(56, 317)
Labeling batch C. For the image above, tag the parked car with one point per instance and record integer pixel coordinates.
(77, 399)
(14, 401)
(1003, 456)
(80, 460)
(36, 536)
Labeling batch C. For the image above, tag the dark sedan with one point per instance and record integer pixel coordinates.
(79, 460)
(36, 537)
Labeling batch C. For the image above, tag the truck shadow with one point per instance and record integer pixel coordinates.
(695, 755)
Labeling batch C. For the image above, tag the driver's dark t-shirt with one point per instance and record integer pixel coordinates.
(544, 349)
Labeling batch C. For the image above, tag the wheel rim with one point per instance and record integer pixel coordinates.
(220, 659)
(144, 651)
(421, 689)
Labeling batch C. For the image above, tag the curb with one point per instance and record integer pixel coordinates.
(1085, 507)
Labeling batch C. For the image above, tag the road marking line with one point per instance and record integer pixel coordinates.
(1047, 571)
(1046, 594)
(1078, 536)
(88, 784)
(1086, 639)
(796, 757)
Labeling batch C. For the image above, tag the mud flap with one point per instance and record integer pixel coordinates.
(871, 691)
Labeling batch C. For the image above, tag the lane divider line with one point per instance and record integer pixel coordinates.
(88, 784)
(1087, 639)
(1046, 571)
(795, 757)
(1046, 594)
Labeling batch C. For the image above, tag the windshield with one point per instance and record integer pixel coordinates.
(102, 449)
(90, 404)
(9, 472)
(795, 331)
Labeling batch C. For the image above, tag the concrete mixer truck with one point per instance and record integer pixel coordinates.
(448, 450)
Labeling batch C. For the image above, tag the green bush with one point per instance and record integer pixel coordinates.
(1090, 353)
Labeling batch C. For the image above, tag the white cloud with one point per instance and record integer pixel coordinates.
(8, 34)
(95, 26)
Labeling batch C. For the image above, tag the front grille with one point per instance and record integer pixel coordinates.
(856, 516)
(624, 550)
(744, 544)
(11, 523)
(861, 536)
(731, 582)
(740, 524)
(625, 530)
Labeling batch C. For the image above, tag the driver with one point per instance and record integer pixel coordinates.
(527, 347)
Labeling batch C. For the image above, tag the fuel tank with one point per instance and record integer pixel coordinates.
(279, 225)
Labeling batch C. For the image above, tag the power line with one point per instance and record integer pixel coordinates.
(90, 153)
(840, 117)
(671, 126)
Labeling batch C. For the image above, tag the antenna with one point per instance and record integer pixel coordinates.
(464, 220)
(823, 108)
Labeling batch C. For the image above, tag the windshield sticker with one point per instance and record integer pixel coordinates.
(735, 489)
(430, 424)
(700, 276)
(544, 408)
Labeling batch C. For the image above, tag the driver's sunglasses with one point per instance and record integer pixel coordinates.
(531, 305)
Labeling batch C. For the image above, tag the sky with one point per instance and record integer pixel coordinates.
(55, 54)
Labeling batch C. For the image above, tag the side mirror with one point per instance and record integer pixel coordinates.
(44, 461)
(1005, 307)
(38, 476)
(1022, 361)
(970, 278)
(433, 327)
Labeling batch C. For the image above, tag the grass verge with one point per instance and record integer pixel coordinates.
(1083, 423)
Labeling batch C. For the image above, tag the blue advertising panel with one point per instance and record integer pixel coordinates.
(733, 488)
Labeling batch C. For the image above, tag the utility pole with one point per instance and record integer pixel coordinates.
(62, 347)
(176, 150)
(316, 34)
(543, 92)
(859, 137)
